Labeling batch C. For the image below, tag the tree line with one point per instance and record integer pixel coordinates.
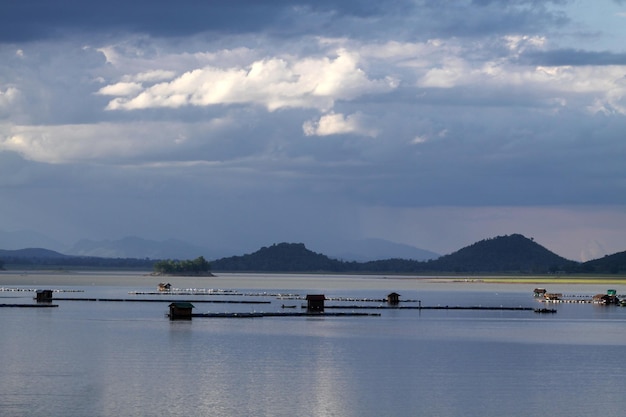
(198, 266)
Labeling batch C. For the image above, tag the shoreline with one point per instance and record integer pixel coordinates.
(146, 279)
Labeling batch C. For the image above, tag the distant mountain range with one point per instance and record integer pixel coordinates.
(503, 254)
(136, 247)
(364, 250)
(514, 253)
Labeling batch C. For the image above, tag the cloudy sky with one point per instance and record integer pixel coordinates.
(243, 123)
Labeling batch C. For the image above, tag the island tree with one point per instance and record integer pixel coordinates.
(198, 266)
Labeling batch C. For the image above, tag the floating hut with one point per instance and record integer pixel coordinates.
(315, 303)
(609, 298)
(180, 311)
(164, 287)
(553, 296)
(393, 298)
(44, 296)
(539, 292)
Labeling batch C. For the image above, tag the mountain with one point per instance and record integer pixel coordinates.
(512, 253)
(503, 254)
(31, 253)
(27, 239)
(612, 264)
(372, 249)
(135, 247)
(49, 258)
(281, 257)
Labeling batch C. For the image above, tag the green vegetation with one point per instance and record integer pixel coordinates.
(198, 266)
(503, 255)
(610, 264)
(282, 257)
(37, 258)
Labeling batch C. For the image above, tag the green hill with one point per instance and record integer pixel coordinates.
(37, 257)
(282, 257)
(514, 253)
(31, 253)
(610, 264)
(503, 254)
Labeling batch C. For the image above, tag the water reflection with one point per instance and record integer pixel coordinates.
(101, 359)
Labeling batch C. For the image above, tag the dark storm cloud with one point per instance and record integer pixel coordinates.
(574, 57)
(29, 20)
(36, 19)
(485, 17)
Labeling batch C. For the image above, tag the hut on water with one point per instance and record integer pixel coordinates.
(44, 296)
(393, 298)
(315, 303)
(553, 296)
(181, 311)
(609, 298)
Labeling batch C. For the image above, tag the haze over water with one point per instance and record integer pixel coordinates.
(128, 358)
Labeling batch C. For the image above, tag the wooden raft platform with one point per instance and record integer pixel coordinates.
(500, 308)
(29, 305)
(258, 315)
(162, 300)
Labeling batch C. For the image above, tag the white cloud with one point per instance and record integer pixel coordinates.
(598, 86)
(153, 76)
(338, 124)
(274, 83)
(124, 89)
(101, 141)
(452, 72)
(8, 96)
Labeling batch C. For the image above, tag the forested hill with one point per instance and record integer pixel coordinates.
(514, 253)
(49, 258)
(31, 253)
(501, 254)
(612, 264)
(504, 254)
(282, 257)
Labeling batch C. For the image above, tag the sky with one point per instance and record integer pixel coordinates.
(243, 123)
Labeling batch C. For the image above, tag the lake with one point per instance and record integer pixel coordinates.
(102, 358)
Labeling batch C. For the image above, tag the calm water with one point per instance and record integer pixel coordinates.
(128, 359)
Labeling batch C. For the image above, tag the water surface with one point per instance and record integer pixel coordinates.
(127, 358)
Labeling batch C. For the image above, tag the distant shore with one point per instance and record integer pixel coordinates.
(145, 279)
(618, 280)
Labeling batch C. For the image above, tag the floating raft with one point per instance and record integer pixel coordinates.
(258, 315)
(545, 310)
(356, 307)
(29, 305)
(134, 300)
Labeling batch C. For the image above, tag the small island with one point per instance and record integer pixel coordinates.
(195, 267)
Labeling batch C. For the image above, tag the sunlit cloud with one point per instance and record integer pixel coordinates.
(8, 96)
(353, 104)
(338, 124)
(274, 83)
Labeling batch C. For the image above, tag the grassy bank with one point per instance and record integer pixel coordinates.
(570, 279)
